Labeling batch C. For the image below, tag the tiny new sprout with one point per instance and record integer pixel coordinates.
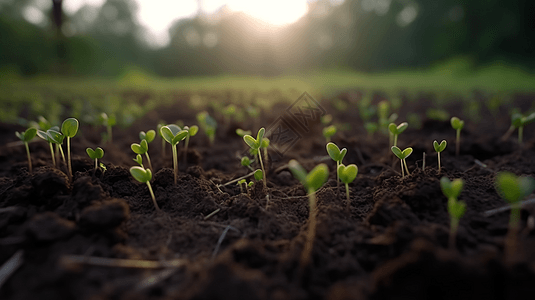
(69, 128)
(173, 134)
(337, 155)
(26, 137)
(439, 148)
(519, 121)
(255, 145)
(144, 176)
(396, 130)
(109, 122)
(513, 189)
(347, 174)
(328, 132)
(53, 136)
(402, 155)
(457, 124)
(456, 209)
(258, 175)
(95, 154)
(246, 162)
(242, 132)
(142, 148)
(139, 160)
(312, 182)
(192, 131)
(208, 125)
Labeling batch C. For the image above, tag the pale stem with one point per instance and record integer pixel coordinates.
(407, 169)
(395, 140)
(52, 152)
(152, 195)
(69, 156)
(438, 161)
(262, 165)
(175, 162)
(347, 195)
(402, 170)
(29, 157)
(423, 163)
(148, 159)
(62, 153)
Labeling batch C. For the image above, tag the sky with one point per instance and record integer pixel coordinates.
(158, 15)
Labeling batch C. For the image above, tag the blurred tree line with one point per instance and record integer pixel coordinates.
(365, 35)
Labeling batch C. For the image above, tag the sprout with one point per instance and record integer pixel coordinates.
(158, 129)
(109, 122)
(457, 124)
(208, 125)
(26, 137)
(95, 154)
(337, 155)
(242, 132)
(328, 132)
(513, 189)
(347, 175)
(139, 160)
(402, 155)
(519, 121)
(192, 131)
(69, 128)
(439, 148)
(173, 134)
(142, 148)
(144, 176)
(396, 130)
(53, 136)
(312, 182)
(255, 145)
(246, 162)
(456, 209)
(149, 136)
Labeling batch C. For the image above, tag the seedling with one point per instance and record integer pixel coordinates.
(457, 124)
(439, 148)
(96, 154)
(46, 137)
(242, 132)
(255, 145)
(173, 134)
(142, 148)
(347, 175)
(69, 128)
(139, 160)
(53, 136)
(396, 130)
(456, 209)
(402, 155)
(109, 122)
(513, 189)
(208, 125)
(312, 182)
(519, 121)
(26, 137)
(246, 162)
(337, 155)
(328, 132)
(158, 129)
(149, 136)
(144, 176)
(258, 175)
(192, 131)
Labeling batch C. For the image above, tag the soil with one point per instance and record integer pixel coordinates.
(391, 244)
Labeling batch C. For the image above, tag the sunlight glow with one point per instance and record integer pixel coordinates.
(274, 12)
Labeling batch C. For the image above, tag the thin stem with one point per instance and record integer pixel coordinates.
(262, 165)
(407, 169)
(347, 196)
(152, 195)
(175, 162)
(148, 158)
(62, 153)
(52, 152)
(520, 134)
(423, 163)
(311, 233)
(29, 157)
(395, 140)
(96, 164)
(402, 170)
(454, 225)
(69, 157)
(438, 161)
(458, 142)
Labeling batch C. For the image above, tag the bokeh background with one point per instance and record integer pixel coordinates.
(108, 38)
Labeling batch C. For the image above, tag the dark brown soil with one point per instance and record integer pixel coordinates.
(391, 244)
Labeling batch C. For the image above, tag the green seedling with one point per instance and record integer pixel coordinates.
(139, 160)
(402, 155)
(312, 182)
(246, 162)
(519, 121)
(26, 137)
(513, 189)
(439, 148)
(328, 132)
(255, 145)
(173, 134)
(158, 129)
(241, 183)
(456, 209)
(395, 131)
(42, 124)
(149, 136)
(192, 131)
(144, 176)
(347, 174)
(96, 154)
(142, 148)
(457, 124)
(242, 132)
(46, 137)
(208, 125)
(109, 122)
(53, 137)
(337, 155)
(69, 128)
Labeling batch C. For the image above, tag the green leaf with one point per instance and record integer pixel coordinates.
(456, 209)
(317, 177)
(251, 142)
(451, 189)
(175, 129)
(347, 173)
(167, 134)
(329, 131)
(44, 136)
(516, 120)
(91, 153)
(513, 188)
(407, 152)
(298, 171)
(139, 160)
(439, 147)
(99, 152)
(193, 130)
(456, 123)
(242, 132)
(397, 152)
(180, 136)
(258, 175)
(95, 154)
(245, 161)
(55, 136)
(137, 148)
(343, 153)
(27, 135)
(260, 136)
(148, 136)
(401, 127)
(141, 174)
(265, 143)
(333, 151)
(70, 127)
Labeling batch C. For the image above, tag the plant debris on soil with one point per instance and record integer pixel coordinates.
(100, 236)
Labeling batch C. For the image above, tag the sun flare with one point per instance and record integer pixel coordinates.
(274, 12)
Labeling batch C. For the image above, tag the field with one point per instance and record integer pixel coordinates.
(98, 235)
